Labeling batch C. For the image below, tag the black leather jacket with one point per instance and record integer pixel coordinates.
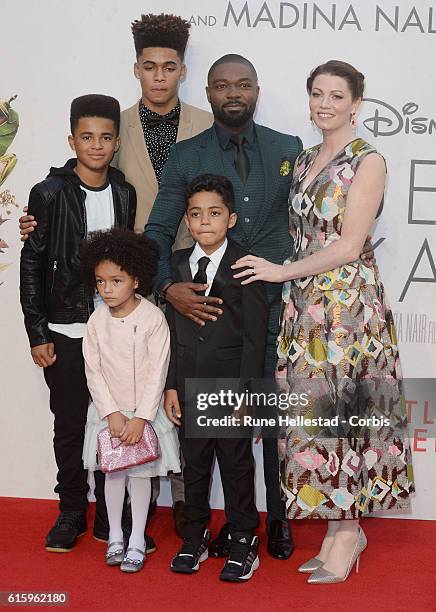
(51, 289)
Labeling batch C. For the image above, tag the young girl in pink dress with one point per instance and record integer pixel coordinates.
(126, 351)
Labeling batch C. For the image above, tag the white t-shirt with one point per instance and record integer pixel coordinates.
(99, 206)
(100, 215)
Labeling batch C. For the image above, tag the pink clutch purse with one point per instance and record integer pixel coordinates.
(114, 455)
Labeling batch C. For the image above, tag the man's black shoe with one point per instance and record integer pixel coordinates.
(101, 522)
(100, 531)
(280, 544)
(189, 557)
(126, 524)
(178, 517)
(152, 507)
(150, 544)
(69, 525)
(242, 561)
(220, 546)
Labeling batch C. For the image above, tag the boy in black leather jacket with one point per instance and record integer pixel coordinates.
(83, 196)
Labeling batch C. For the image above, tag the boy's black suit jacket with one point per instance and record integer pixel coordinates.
(231, 347)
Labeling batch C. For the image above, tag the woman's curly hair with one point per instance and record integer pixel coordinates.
(162, 30)
(134, 253)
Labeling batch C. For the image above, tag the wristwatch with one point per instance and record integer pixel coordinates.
(162, 294)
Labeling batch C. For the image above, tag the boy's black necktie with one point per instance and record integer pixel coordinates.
(242, 163)
(201, 276)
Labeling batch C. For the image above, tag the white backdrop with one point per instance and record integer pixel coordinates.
(57, 51)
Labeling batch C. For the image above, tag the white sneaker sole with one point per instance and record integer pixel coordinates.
(194, 569)
(254, 567)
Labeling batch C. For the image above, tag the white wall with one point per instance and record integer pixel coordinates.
(56, 51)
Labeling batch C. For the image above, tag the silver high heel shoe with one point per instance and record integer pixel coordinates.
(310, 566)
(322, 576)
(132, 565)
(116, 555)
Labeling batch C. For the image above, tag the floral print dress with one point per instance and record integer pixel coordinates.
(337, 348)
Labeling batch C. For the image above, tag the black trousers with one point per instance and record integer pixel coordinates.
(271, 470)
(275, 506)
(236, 464)
(69, 398)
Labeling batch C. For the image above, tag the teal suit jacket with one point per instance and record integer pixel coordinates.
(268, 235)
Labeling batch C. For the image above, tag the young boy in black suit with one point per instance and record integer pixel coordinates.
(233, 346)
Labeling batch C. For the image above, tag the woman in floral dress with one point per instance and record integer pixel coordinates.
(337, 342)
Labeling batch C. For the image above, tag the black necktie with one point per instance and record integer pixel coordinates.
(201, 276)
(172, 118)
(242, 163)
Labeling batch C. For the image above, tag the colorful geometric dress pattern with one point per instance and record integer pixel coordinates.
(337, 339)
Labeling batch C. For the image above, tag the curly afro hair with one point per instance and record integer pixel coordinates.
(169, 31)
(134, 253)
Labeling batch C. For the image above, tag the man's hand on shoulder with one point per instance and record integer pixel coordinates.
(27, 225)
(198, 308)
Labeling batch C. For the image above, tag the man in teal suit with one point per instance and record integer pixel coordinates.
(259, 163)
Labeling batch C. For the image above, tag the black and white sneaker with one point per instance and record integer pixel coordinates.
(242, 561)
(189, 557)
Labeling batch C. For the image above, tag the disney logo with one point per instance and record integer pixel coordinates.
(387, 121)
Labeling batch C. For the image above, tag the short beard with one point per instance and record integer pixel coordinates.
(233, 121)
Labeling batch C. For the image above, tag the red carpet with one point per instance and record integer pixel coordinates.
(397, 571)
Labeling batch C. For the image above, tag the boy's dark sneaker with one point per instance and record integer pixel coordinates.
(220, 546)
(100, 530)
(189, 557)
(150, 544)
(126, 524)
(69, 525)
(152, 507)
(242, 561)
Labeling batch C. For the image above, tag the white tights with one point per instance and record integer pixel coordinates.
(140, 492)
